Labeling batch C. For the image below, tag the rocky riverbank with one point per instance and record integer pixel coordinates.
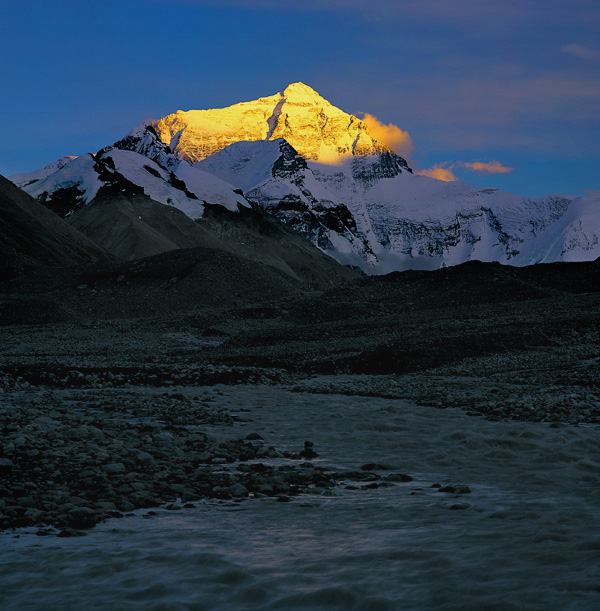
(71, 458)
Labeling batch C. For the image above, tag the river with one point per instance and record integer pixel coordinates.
(527, 536)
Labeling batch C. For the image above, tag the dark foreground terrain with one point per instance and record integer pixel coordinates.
(102, 370)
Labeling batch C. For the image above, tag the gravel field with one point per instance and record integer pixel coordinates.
(110, 412)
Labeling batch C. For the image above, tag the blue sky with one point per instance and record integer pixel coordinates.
(512, 82)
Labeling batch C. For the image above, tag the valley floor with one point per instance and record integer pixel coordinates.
(104, 417)
(452, 457)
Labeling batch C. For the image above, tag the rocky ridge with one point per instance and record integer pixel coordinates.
(138, 164)
(31, 236)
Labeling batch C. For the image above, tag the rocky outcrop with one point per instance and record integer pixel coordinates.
(144, 140)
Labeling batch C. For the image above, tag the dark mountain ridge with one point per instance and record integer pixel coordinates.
(32, 236)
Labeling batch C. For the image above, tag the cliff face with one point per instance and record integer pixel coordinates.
(315, 128)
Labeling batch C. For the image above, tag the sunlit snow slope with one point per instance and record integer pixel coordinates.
(314, 127)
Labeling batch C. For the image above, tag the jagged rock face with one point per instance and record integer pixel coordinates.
(144, 140)
(368, 213)
(315, 128)
(274, 175)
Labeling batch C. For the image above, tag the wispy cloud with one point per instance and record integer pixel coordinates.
(446, 170)
(440, 171)
(582, 52)
(396, 138)
(595, 193)
(401, 143)
(485, 167)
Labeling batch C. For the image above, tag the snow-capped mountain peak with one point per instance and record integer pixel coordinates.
(367, 212)
(301, 90)
(319, 170)
(318, 130)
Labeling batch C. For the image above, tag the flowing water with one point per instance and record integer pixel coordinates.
(526, 537)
